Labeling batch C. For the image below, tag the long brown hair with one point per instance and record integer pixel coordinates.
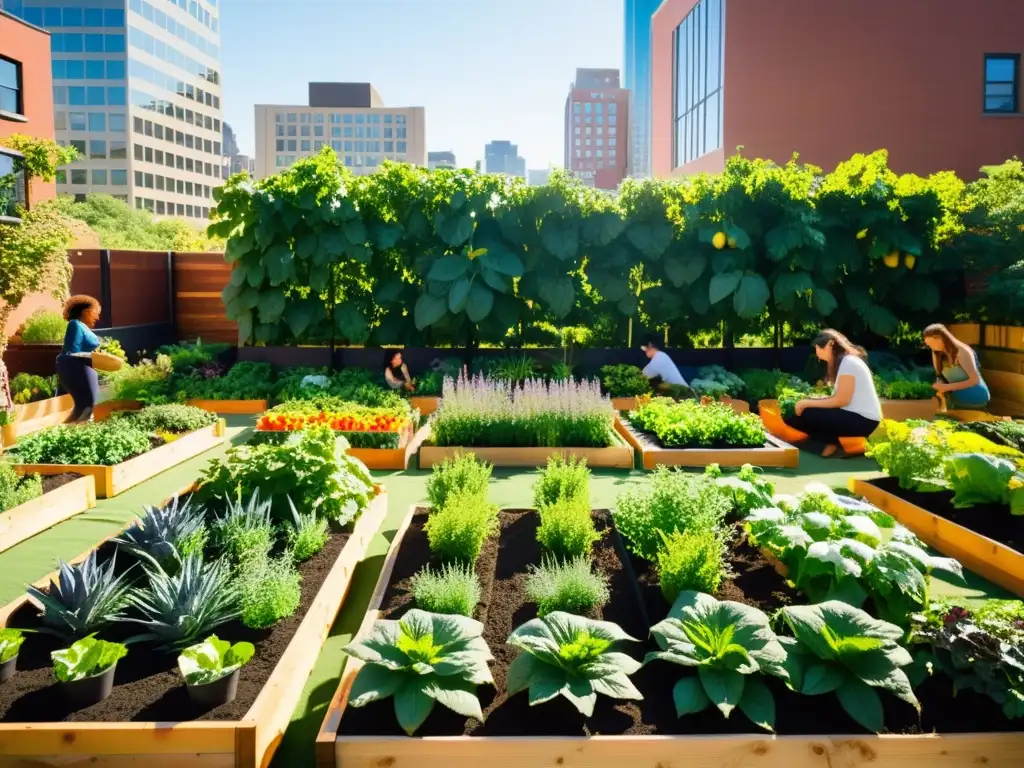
(841, 347)
(949, 343)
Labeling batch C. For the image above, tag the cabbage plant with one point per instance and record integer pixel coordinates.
(422, 659)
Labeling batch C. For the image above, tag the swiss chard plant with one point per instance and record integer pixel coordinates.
(839, 649)
(212, 659)
(571, 656)
(10, 643)
(730, 646)
(421, 660)
(749, 490)
(86, 658)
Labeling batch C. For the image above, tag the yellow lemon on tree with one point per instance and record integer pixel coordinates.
(909, 260)
(892, 260)
(732, 242)
(719, 240)
(862, 234)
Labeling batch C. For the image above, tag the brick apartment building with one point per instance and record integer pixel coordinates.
(597, 128)
(936, 83)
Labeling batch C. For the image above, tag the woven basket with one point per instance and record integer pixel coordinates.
(102, 361)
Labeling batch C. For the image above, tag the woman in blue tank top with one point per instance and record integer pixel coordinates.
(957, 368)
(74, 364)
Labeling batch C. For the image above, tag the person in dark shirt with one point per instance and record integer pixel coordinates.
(397, 374)
(74, 363)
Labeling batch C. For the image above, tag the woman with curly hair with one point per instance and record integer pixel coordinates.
(74, 364)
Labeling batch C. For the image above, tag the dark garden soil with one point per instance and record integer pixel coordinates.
(53, 482)
(147, 684)
(634, 593)
(650, 441)
(991, 520)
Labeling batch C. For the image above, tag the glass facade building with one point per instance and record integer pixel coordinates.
(636, 76)
(137, 91)
(698, 61)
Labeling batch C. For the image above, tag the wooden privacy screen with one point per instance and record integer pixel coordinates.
(199, 312)
(139, 288)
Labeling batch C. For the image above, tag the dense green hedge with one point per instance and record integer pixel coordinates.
(417, 257)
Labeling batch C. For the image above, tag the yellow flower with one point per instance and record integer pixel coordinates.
(1016, 482)
(478, 252)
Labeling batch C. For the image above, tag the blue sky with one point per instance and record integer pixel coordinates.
(483, 69)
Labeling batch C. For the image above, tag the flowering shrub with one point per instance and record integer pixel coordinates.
(364, 427)
(689, 424)
(479, 411)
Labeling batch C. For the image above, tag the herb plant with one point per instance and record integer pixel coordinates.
(105, 442)
(463, 473)
(307, 535)
(43, 327)
(570, 586)
(87, 657)
(624, 381)
(422, 659)
(147, 382)
(567, 527)
(838, 648)
(29, 388)
(457, 531)
(178, 419)
(453, 588)
(212, 659)
(245, 529)
(574, 657)
(85, 598)
(15, 490)
(562, 478)
(10, 643)
(691, 560)
(730, 646)
(269, 589)
(690, 424)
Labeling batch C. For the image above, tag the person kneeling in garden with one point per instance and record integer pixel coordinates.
(397, 374)
(853, 410)
(663, 373)
(957, 369)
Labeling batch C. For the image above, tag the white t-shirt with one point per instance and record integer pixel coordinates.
(661, 365)
(865, 398)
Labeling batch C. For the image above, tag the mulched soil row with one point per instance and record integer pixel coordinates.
(650, 442)
(53, 482)
(636, 603)
(991, 520)
(147, 684)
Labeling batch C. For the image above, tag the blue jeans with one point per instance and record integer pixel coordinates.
(78, 378)
(972, 397)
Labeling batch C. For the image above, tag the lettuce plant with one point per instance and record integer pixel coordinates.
(976, 478)
(749, 490)
(86, 658)
(729, 645)
(212, 659)
(422, 659)
(838, 648)
(573, 657)
(10, 643)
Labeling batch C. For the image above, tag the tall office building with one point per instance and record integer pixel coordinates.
(503, 157)
(348, 117)
(136, 89)
(596, 150)
(636, 78)
(444, 159)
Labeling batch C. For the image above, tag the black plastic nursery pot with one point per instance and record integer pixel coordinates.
(7, 668)
(90, 690)
(220, 691)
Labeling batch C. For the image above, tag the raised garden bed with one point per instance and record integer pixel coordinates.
(393, 458)
(425, 405)
(141, 722)
(630, 404)
(774, 453)
(64, 496)
(987, 539)
(231, 407)
(902, 410)
(116, 479)
(33, 417)
(618, 455)
(644, 732)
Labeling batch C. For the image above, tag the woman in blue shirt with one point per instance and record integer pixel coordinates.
(74, 364)
(956, 366)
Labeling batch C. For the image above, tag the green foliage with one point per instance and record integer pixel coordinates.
(730, 646)
(764, 385)
(44, 327)
(307, 535)
(27, 388)
(451, 589)
(178, 419)
(15, 489)
(690, 560)
(311, 469)
(164, 534)
(624, 381)
(104, 442)
(839, 648)
(689, 424)
(175, 610)
(674, 501)
(244, 381)
(1007, 433)
(457, 531)
(562, 478)
(749, 489)
(567, 528)
(571, 656)
(976, 478)
(269, 590)
(715, 381)
(421, 659)
(185, 356)
(147, 382)
(245, 531)
(112, 347)
(42, 156)
(85, 598)
(10, 643)
(212, 659)
(87, 657)
(514, 369)
(463, 473)
(569, 585)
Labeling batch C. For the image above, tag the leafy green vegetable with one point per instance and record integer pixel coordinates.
(976, 478)
(178, 419)
(103, 442)
(624, 381)
(212, 659)
(571, 656)
(10, 643)
(689, 424)
(839, 648)
(730, 645)
(421, 659)
(15, 490)
(749, 490)
(86, 658)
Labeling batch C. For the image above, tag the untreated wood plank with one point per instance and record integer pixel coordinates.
(618, 456)
(35, 516)
(169, 760)
(232, 407)
(425, 405)
(901, 410)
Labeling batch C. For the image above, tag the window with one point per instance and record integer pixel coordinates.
(401, 147)
(117, 97)
(97, 149)
(99, 177)
(118, 151)
(1002, 73)
(77, 121)
(95, 96)
(697, 83)
(348, 131)
(304, 146)
(137, 151)
(80, 176)
(95, 69)
(160, 206)
(60, 120)
(115, 69)
(98, 122)
(79, 145)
